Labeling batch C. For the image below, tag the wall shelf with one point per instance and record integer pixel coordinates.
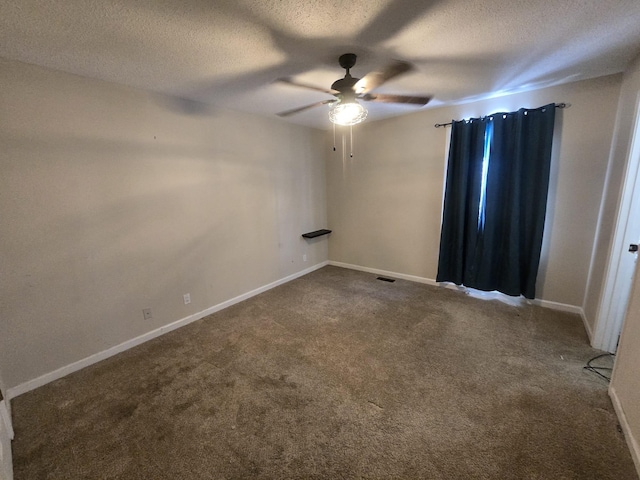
(317, 233)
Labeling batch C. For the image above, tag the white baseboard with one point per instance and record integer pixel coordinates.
(563, 307)
(587, 327)
(97, 357)
(377, 271)
(5, 418)
(632, 443)
(6, 435)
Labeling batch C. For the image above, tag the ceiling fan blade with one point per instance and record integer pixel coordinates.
(373, 80)
(288, 81)
(306, 107)
(386, 98)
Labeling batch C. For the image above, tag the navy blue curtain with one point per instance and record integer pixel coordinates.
(495, 201)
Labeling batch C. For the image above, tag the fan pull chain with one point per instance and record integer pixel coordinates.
(344, 148)
(344, 160)
(334, 137)
(351, 139)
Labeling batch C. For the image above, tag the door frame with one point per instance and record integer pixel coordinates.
(617, 287)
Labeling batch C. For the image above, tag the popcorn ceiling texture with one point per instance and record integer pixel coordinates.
(336, 375)
(228, 53)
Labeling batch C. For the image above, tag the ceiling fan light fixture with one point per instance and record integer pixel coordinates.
(344, 109)
(347, 113)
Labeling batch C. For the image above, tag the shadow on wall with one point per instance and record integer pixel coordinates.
(551, 204)
(184, 106)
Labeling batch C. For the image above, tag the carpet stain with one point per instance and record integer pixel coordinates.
(280, 382)
(122, 412)
(181, 407)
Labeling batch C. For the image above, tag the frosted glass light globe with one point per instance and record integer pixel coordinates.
(348, 113)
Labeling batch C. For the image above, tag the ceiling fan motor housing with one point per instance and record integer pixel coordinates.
(345, 85)
(348, 60)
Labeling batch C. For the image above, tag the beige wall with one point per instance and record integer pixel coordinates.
(384, 205)
(625, 120)
(113, 200)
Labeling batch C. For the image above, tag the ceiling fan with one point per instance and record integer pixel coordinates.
(345, 109)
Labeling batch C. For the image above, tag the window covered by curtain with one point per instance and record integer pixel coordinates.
(495, 201)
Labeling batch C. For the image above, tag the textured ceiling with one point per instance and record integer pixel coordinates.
(227, 53)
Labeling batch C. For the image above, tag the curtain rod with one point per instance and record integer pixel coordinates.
(558, 105)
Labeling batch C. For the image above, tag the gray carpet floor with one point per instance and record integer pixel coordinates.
(336, 375)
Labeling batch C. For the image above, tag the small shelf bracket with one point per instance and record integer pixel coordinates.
(317, 233)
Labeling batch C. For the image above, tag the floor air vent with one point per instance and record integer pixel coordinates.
(385, 279)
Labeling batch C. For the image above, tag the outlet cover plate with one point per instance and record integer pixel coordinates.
(146, 313)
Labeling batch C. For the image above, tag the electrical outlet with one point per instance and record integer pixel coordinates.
(146, 313)
(187, 298)
(304, 257)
